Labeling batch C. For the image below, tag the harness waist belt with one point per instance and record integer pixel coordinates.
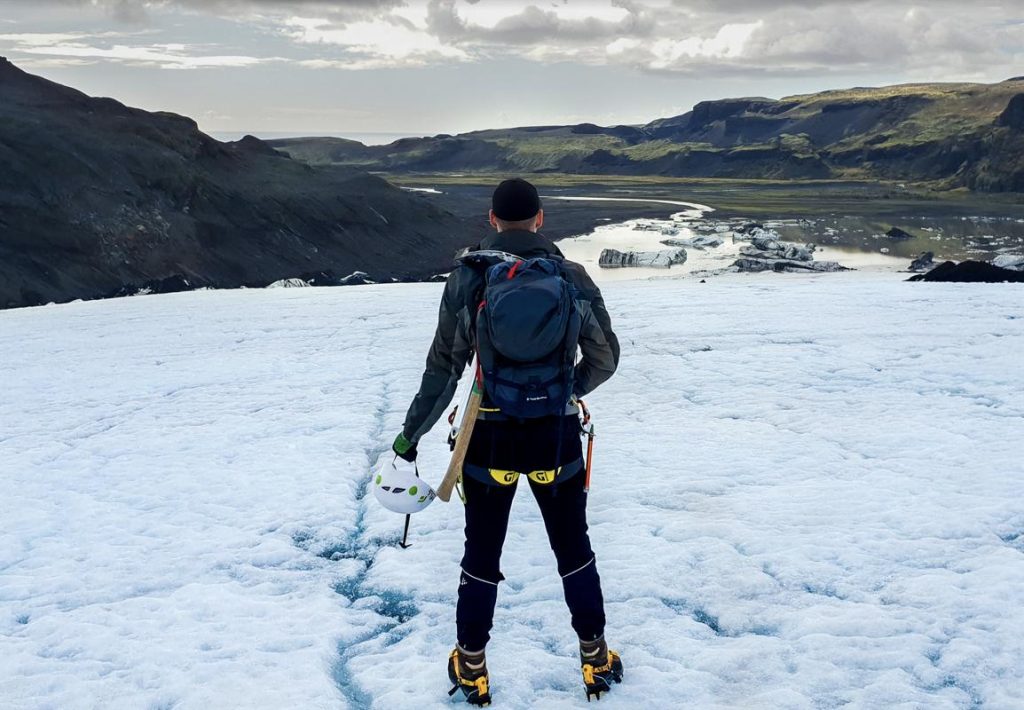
(493, 414)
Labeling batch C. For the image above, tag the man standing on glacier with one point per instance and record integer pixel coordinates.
(539, 309)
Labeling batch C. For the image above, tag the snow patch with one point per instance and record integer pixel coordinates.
(806, 494)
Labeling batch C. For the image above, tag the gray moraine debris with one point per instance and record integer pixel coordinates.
(289, 283)
(700, 242)
(772, 249)
(925, 261)
(766, 252)
(1014, 262)
(664, 259)
(783, 265)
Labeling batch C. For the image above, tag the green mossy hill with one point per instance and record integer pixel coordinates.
(947, 135)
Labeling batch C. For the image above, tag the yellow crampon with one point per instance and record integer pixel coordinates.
(598, 679)
(476, 691)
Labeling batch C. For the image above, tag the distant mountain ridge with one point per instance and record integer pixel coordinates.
(948, 135)
(97, 198)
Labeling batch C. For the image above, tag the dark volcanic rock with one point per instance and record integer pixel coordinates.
(586, 129)
(1013, 116)
(320, 278)
(255, 145)
(1001, 168)
(706, 112)
(172, 284)
(898, 234)
(970, 272)
(98, 198)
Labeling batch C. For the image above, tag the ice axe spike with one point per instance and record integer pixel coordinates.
(405, 544)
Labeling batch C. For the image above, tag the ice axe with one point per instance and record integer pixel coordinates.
(460, 435)
(587, 429)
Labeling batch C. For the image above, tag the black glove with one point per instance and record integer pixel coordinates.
(404, 448)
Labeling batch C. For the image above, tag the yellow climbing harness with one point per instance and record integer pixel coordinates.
(507, 478)
(502, 477)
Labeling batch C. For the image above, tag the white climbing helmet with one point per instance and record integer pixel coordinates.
(398, 487)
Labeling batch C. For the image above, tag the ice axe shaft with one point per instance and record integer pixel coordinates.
(588, 429)
(465, 433)
(590, 460)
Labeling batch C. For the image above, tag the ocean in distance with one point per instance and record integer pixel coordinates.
(364, 138)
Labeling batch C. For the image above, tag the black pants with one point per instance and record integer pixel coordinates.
(564, 508)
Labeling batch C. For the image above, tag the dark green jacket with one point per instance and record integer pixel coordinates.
(452, 346)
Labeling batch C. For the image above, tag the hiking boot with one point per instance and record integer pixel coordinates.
(468, 672)
(600, 667)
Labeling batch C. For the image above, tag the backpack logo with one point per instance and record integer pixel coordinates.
(527, 333)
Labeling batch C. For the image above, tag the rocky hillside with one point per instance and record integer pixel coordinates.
(948, 135)
(97, 198)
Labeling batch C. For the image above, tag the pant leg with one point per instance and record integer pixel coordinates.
(564, 509)
(487, 511)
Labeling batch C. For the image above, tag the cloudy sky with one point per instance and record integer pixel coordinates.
(430, 66)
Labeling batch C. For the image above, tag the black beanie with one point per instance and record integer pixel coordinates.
(515, 200)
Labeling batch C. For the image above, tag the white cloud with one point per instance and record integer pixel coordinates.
(728, 43)
(70, 49)
(54, 63)
(67, 49)
(415, 15)
(168, 59)
(148, 11)
(532, 25)
(947, 44)
(33, 39)
(375, 43)
(950, 42)
(489, 15)
(943, 39)
(360, 64)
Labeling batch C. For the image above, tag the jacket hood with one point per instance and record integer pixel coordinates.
(519, 242)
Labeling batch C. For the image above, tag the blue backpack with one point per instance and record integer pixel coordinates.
(527, 331)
